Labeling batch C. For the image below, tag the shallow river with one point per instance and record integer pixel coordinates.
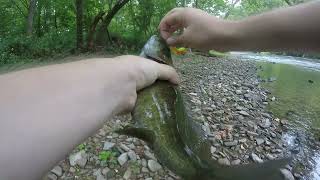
(295, 84)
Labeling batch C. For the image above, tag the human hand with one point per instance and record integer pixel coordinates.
(202, 31)
(139, 73)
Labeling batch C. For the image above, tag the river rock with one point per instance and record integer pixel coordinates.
(235, 162)
(213, 149)
(51, 176)
(265, 123)
(244, 113)
(132, 155)
(154, 165)
(287, 174)
(127, 174)
(124, 147)
(231, 143)
(108, 145)
(149, 155)
(57, 170)
(224, 161)
(259, 141)
(144, 170)
(256, 158)
(79, 158)
(123, 158)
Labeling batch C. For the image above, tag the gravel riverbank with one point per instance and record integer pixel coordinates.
(224, 95)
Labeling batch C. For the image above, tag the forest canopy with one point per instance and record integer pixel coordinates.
(32, 29)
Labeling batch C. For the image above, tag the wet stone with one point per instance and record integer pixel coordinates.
(256, 158)
(108, 145)
(224, 161)
(287, 174)
(154, 165)
(231, 143)
(123, 158)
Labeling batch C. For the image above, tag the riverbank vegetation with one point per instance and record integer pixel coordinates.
(38, 29)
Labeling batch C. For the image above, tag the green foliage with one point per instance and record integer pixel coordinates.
(107, 157)
(16, 48)
(82, 147)
(54, 23)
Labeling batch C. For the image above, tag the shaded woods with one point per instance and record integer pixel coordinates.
(33, 29)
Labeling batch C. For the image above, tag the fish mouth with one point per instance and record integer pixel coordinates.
(156, 59)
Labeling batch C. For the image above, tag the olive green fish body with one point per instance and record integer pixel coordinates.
(154, 117)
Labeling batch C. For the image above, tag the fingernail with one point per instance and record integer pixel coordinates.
(171, 40)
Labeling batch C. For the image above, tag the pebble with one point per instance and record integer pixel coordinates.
(108, 145)
(270, 156)
(57, 170)
(265, 123)
(72, 170)
(51, 176)
(132, 155)
(79, 158)
(105, 171)
(127, 174)
(287, 174)
(250, 133)
(131, 146)
(144, 170)
(238, 92)
(244, 113)
(123, 158)
(144, 162)
(149, 155)
(213, 149)
(224, 161)
(236, 162)
(124, 147)
(259, 141)
(154, 165)
(231, 143)
(256, 158)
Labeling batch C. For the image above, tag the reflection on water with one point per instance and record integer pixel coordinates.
(295, 83)
(303, 62)
(316, 173)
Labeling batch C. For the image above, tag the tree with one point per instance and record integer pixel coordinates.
(31, 11)
(79, 19)
(105, 21)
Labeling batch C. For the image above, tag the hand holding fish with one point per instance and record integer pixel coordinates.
(57, 107)
(142, 73)
(201, 30)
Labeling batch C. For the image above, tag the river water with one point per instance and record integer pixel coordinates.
(295, 84)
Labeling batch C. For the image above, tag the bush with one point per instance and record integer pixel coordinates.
(17, 48)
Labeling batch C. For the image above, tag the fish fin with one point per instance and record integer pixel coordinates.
(269, 170)
(138, 132)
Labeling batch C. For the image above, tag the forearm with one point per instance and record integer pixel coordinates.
(41, 124)
(295, 28)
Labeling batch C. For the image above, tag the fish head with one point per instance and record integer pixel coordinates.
(157, 50)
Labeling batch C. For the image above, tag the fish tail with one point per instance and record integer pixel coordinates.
(257, 171)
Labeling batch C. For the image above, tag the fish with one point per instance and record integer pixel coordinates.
(160, 119)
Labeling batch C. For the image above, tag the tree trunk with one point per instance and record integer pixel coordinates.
(39, 20)
(79, 19)
(31, 11)
(92, 30)
(105, 21)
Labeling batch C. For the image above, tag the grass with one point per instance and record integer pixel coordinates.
(296, 89)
